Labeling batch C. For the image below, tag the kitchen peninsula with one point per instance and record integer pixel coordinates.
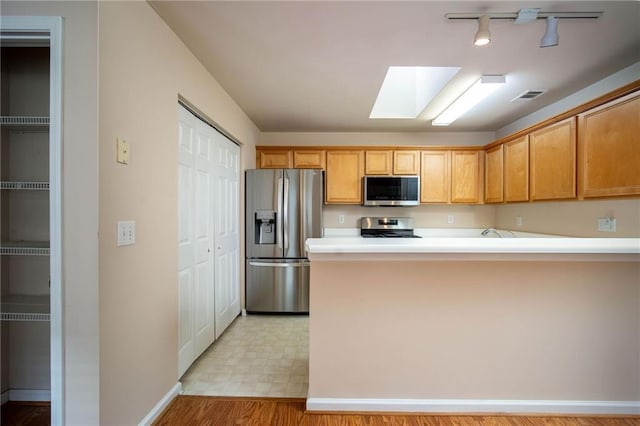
(526, 325)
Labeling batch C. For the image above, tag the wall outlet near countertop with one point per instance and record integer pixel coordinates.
(450, 219)
(519, 221)
(340, 218)
(606, 224)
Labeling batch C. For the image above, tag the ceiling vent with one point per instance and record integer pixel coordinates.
(528, 95)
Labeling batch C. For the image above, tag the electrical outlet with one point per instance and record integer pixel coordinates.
(519, 221)
(126, 233)
(450, 219)
(606, 224)
(340, 218)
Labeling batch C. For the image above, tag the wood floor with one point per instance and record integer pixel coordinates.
(26, 414)
(222, 411)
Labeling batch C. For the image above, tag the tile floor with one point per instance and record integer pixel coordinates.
(258, 355)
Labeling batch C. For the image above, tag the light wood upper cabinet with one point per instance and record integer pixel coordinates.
(466, 176)
(388, 162)
(553, 161)
(344, 173)
(610, 149)
(406, 162)
(307, 159)
(378, 162)
(280, 159)
(493, 175)
(516, 170)
(434, 177)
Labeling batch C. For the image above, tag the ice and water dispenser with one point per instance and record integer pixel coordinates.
(265, 227)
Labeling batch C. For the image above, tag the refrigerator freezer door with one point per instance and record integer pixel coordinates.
(264, 194)
(277, 285)
(302, 210)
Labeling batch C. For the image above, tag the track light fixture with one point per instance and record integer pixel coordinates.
(550, 37)
(483, 36)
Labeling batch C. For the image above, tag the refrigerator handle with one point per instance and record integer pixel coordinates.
(302, 220)
(300, 264)
(279, 214)
(286, 211)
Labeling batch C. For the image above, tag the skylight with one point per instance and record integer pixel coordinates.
(406, 91)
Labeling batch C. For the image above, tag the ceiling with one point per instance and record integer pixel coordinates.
(318, 65)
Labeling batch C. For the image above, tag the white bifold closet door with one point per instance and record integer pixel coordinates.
(208, 235)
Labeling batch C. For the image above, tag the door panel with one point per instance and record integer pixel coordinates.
(277, 285)
(195, 238)
(302, 210)
(204, 331)
(185, 319)
(186, 241)
(262, 197)
(227, 235)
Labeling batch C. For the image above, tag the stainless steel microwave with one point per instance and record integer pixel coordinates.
(391, 191)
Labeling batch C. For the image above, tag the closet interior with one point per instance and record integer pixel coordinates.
(25, 219)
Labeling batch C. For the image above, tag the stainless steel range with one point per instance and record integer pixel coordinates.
(387, 227)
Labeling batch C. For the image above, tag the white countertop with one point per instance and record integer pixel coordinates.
(536, 247)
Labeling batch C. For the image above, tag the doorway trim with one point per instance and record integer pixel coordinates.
(52, 27)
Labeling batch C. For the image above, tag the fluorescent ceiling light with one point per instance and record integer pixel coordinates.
(406, 91)
(470, 98)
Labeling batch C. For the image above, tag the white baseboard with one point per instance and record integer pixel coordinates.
(4, 397)
(473, 406)
(29, 395)
(161, 405)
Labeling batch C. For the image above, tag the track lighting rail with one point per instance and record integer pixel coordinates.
(514, 15)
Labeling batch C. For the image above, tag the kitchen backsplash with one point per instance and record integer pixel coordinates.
(574, 218)
(571, 218)
(428, 216)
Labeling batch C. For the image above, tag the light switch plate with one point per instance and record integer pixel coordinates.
(122, 151)
(126, 233)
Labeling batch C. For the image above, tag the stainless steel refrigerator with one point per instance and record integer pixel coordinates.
(283, 209)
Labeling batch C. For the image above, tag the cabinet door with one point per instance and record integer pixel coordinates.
(345, 170)
(434, 177)
(406, 162)
(610, 149)
(465, 176)
(378, 162)
(553, 161)
(280, 159)
(493, 175)
(516, 170)
(309, 159)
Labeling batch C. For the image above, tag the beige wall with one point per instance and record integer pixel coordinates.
(378, 138)
(80, 201)
(144, 67)
(608, 84)
(475, 330)
(575, 218)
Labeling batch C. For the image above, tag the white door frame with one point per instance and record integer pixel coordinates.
(51, 27)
